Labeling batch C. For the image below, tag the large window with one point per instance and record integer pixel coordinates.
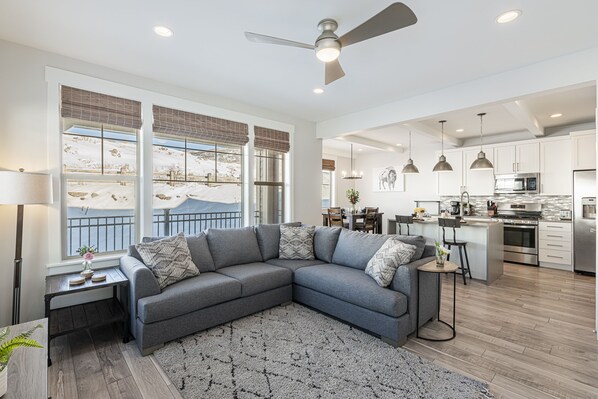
(99, 179)
(327, 189)
(196, 185)
(269, 186)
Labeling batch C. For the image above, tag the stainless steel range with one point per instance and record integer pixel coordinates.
(521, 231)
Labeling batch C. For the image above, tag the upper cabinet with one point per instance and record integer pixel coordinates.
(449, 183)
(555, 167)
(478, 182)
(583, 149)
(521, 158)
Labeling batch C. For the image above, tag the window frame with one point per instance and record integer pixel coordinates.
(331, 187)
(266, 183)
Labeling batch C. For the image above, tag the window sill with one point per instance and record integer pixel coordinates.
(72, 265)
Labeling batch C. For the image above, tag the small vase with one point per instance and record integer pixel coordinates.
(440, 259)
(3, 381)
(87, 271)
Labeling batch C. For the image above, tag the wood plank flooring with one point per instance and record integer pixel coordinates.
(529, 335)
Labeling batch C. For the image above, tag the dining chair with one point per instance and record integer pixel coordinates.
(335, 217)
(404, 219)
(370, 220)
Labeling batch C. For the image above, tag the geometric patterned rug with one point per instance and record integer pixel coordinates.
(290, 352)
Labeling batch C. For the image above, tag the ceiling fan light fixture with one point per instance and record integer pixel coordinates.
(508, 16)
(163, 31)
(328, 50)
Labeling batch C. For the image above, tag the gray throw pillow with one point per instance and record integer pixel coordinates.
(268, 238)
(198, 246)
(169, 259)
(418, 241)
(383, 265)
(297, 243)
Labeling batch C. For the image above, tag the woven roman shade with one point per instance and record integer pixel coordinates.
(328, 164)
(96, 107)
(270, 139)
(206, 128)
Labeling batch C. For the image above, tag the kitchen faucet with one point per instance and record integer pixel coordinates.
(462, 210)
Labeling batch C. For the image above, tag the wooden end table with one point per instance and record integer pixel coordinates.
(430, 267)
(90, 314)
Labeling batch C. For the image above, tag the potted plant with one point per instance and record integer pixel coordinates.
(353, 197)
(87, 253)
(7, 347)
(441, 254)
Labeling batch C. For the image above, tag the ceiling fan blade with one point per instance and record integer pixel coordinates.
(334, 71)
(257, 38)
(393, 17)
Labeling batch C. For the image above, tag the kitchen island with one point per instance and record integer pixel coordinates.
(484, 238)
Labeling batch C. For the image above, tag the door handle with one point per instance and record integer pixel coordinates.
(513, 166)
(552, 256)
(551, 235)
(553, 245)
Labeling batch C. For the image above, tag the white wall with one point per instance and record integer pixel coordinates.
(23, 143)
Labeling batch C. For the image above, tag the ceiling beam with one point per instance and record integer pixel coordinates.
(418, 127)
(377, 145)
(523, 114)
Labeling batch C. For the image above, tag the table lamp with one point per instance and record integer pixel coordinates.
(19, 188)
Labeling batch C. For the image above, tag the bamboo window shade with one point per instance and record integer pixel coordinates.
(101, 108)
(270, 139)
(328, 164)
(202, 127)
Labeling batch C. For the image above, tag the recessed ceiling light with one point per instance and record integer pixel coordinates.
(508, 16)
(318, 90)
(399, 145)
(360, 149)
(557, 115)
(459, 130)
(163, 31)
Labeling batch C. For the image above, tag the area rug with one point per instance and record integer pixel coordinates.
(295, 352)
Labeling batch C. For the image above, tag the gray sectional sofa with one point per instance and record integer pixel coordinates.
(240, 274)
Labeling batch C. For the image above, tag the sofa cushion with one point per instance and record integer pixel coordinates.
(198, 246)
(352, 286)
(187, 296)
(169, 259)
(355, 249)
(293, 264)
(268, 238)
(387, 259)
(233, 246)
(325, 239)
(297, 242)
(418, 241)
(258, 277)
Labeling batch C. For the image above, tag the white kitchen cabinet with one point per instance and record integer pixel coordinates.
(449, 183)
(478, 182)
(556, 176)
(555, 245)
(583, 145)
(521, 158)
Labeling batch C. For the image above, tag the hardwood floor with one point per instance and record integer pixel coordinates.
(529, 335)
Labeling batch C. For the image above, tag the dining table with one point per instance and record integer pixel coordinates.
(353, 217)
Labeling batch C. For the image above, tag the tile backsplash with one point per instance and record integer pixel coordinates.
(551, 204)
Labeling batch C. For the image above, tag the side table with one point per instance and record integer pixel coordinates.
(430, 267)
(90, 314)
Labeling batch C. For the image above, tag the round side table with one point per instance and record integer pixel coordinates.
(430, 267)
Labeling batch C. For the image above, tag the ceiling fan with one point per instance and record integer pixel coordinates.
(328, 45)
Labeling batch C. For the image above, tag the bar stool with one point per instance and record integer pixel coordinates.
(406, 220)
(455, 224)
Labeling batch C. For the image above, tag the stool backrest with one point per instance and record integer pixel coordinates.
(449, 223)
(404, 219)
(370, 218)
(335, 217)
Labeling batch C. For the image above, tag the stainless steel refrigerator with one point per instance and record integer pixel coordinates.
(584, 220)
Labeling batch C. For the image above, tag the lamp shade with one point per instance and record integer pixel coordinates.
(442, 165)
(481, 162)
(20, 188)
(410, 168)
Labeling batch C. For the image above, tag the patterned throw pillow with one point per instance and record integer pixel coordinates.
(169, 259)
(297, 242)
(385, 262)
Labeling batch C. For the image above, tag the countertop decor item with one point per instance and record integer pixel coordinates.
(481, 163)
(441, 254)
(87, 253)
(7, 346)
(20, 188)
(96, 278)
(442, 165)
(77, 281)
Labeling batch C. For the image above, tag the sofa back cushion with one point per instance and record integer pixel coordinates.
(231, 247)
(268, 239)
(325, 240)
(355, 249)
(297, 243)
(418, 241)
(198, 246)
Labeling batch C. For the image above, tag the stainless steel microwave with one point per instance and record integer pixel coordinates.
(519, 183)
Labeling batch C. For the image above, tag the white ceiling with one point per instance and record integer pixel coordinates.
(453, 41)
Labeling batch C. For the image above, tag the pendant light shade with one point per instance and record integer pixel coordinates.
(410, 168)
(481, 163)
(353, 175)
(442, 165)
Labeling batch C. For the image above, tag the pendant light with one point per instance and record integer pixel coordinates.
(353, 175)
(481, 163)
(442, 165)
(410, 168)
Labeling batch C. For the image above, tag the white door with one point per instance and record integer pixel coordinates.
(556, 175)
(449, 183)
(504, 160)
(528, 158)
(478, 182)
(584, 152)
